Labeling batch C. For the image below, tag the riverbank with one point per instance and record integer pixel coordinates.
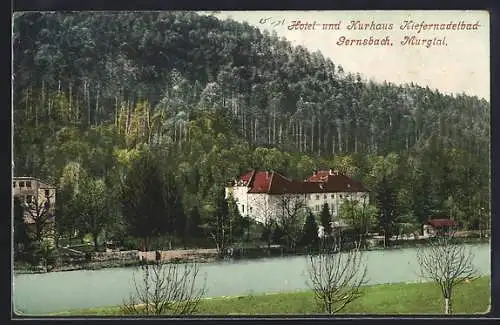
(399, 298)
(210, 255)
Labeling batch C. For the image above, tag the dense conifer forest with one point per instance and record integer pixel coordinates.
(112, 101)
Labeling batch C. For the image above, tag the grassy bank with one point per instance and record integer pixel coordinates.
(399, 298)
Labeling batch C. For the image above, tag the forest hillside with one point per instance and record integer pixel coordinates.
(213, 98)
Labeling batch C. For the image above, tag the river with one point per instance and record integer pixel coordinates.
(37, 294)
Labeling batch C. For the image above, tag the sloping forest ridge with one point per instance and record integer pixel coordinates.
(207, 99)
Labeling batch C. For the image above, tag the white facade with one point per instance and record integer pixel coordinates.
(263, 206)
(257, 206)
(31, 191)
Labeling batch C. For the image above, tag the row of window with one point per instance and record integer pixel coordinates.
(47, 192)
(27, 198)
(22, 184)
(325, 196)
(319, 207)
(243, 208)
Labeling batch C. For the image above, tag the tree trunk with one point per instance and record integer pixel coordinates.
(386, 238)
(96, 245)
(56, 239)
(447, 306)
(255, 130)
(269, 239)
(274, 126)
(269, 132)
(312, 134)
(339, 137)
(319, 136)
(96, 105)
(355, 142)
(43, 104)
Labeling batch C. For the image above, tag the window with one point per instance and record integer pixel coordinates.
(250, 209)
(324, 196)
(243, 208)
(317, 197)
(28, 184)
(13, 184)
(21, 184)
(29, 198)
(333, 196)
(47, 192)
(341, 195)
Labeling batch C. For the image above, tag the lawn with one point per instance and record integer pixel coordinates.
(399, 298)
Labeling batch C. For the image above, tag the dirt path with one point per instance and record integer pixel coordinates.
(190, 254)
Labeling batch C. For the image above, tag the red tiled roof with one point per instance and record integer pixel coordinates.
(319, 176)
(260, 182)
(275, 183)
(439, 223)
(245, 177)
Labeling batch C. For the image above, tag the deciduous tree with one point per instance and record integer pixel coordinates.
(335, 277)
(165, 289)
(446, 263)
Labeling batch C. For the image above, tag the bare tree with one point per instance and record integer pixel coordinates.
(265, 215)
(484, 222)
(335, 276)
(40, 213)
(446, 263)
(219, 233)
(291, 217)
(166, 288)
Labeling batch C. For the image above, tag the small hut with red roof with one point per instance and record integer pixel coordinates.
(439, 226)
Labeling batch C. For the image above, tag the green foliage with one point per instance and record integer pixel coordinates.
(326, 219)
(194, 223)
(407, 224)
(310, 232)
(20, 230)
(94, 207)
(361, 216)
(122, 85)
(386, 203)
(218, 226)
(238, 224)
(278, 235)
(150, 202)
